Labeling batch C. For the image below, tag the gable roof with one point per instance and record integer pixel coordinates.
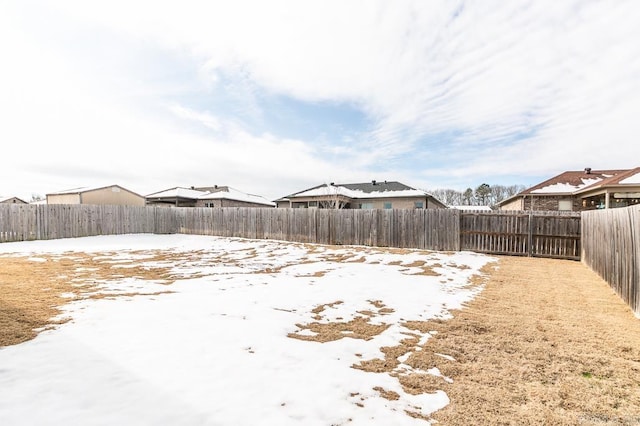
(4, 198)
(625, 177)
(577, 182)
(177, 192)
(571, 181)
(211, 193)
(228, 193)
(373, 189)
(84, 189)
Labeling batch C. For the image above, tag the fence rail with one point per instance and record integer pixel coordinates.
(611, 247)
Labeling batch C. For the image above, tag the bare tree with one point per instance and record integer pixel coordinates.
(450, 197)
(484, 194)
(332, 200)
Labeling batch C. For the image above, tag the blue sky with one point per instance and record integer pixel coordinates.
(274, 97)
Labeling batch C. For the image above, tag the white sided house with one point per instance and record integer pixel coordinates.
(370, 195)
(214, 196)
(104, 195)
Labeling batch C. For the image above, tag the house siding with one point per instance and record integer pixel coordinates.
(112, 195)
(550, 203)
(63, 199)
(396, 203)
(229, 203)
(516, 204)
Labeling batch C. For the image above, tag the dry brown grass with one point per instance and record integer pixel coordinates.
(547, 342)
(360, 327)
(31, 292)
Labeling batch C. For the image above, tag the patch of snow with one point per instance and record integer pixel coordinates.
(633, 180)
(235, 195)
(215, 350)
(565, 187)
(358, 194)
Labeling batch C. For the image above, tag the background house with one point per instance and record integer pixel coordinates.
(229, 197)
(580, 190)
(209, 196)
(175, 197)
(620, 190)
(11, 200)
(110, 195)
(369, 195)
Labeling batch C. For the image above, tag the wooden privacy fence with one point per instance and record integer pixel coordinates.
(512, 233)
(422, 229)
(611, 247)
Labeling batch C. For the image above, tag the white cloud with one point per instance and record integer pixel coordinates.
(520, 88)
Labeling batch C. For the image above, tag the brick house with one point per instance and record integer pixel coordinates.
(580, 190)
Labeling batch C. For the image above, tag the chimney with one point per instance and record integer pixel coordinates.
(193, 187)
(373, 182)
(587, 170)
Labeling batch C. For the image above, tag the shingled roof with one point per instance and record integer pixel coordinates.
(625, 177)
(572, 181)
(368, 187)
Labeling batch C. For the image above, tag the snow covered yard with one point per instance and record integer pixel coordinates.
(248, 332)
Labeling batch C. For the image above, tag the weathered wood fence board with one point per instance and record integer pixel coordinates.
(611, 247)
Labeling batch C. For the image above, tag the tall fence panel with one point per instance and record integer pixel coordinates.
(611, 247)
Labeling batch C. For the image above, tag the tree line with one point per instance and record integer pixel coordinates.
(483, 195)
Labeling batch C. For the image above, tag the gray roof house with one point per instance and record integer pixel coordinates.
(368, 195)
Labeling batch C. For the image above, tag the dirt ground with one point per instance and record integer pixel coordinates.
(547, 342)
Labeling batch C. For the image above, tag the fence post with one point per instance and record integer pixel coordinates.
(530, 236)
(458, 242)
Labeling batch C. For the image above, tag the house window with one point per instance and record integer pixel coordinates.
(209, 204)
(313, 204)
(418, 205)
(566, 205)
(387, 205)
(366, 206)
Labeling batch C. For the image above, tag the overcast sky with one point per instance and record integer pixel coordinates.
(272, 97)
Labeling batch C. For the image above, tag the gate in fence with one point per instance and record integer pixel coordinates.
(519, 233)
